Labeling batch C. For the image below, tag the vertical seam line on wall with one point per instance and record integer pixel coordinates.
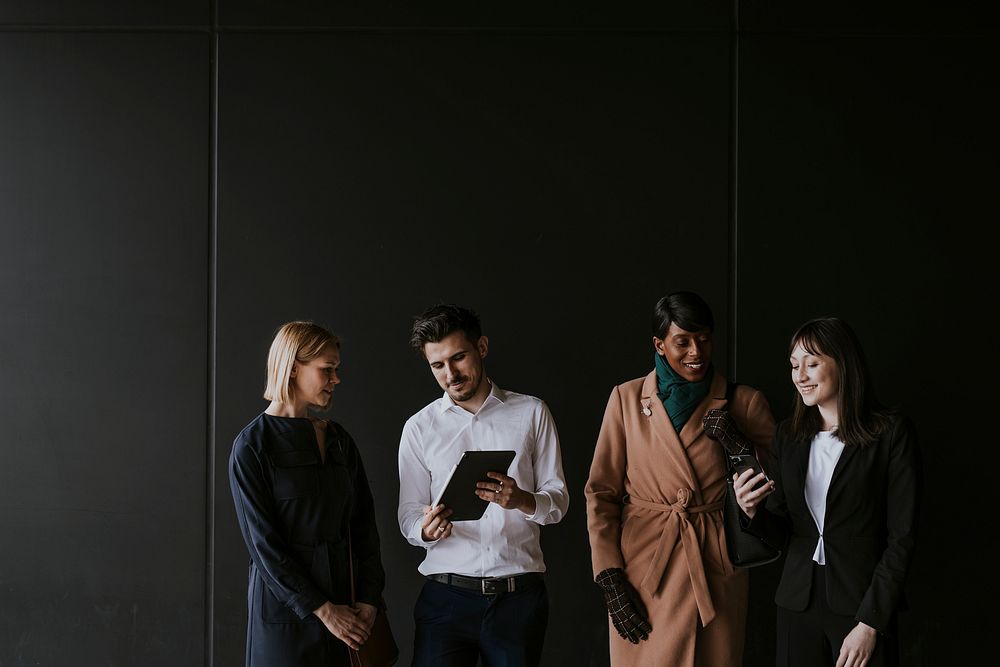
(213, 233)
(734, 145)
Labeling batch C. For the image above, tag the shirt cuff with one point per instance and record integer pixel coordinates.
(543, 505)
(417, 536)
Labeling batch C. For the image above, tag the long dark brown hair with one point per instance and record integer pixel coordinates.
(862, 418)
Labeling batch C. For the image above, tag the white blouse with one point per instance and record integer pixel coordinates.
(823, 456)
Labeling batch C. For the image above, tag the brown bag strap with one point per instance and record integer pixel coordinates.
(350, 564)
(350, 548)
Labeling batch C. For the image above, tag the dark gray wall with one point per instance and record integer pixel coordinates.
(104, 302)
(177, 179)
(531, 176)
(867, 177)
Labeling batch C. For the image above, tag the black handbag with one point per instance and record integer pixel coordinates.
(745, 549)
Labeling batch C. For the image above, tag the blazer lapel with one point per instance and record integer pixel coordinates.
(840, 476)
(800, 465)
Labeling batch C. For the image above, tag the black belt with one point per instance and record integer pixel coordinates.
(490, 585)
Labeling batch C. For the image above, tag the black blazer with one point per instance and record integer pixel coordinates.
(869, 533)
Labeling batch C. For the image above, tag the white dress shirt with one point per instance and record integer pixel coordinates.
(503, 542)
(823, 456)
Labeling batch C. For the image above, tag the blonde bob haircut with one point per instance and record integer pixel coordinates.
(299, 341)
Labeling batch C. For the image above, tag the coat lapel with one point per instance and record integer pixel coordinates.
(664, 430)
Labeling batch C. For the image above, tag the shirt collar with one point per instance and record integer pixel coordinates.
(496, 394)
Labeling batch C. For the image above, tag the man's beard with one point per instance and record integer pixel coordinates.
(461, 398)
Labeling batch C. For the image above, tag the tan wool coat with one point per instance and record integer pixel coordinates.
(654, 509)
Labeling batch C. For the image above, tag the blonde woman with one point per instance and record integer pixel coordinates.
(303, 504)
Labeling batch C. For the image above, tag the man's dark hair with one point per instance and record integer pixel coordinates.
(685, 309)
(442, 320)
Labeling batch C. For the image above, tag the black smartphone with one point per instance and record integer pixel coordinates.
(742, 462)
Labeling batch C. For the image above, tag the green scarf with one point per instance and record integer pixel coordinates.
(679, 396)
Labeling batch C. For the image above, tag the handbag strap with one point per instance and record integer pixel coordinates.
(352, 654)
(730, 390)
(331, 429)
(350, 564)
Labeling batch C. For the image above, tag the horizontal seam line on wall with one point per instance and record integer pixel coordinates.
(14, 27)
(105, 28)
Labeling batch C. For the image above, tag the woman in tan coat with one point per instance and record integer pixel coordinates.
(654, 502)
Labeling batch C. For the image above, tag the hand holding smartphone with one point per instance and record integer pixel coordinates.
(739, 463)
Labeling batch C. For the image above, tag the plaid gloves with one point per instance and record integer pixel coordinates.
(719, 426)
(624, 606)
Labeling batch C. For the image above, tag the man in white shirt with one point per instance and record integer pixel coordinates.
(484, 594)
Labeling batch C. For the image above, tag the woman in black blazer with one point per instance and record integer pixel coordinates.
(845, 478)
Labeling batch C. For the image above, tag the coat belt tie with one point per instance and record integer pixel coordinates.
(677, 526)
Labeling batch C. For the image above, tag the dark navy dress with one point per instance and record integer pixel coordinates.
(296, 512)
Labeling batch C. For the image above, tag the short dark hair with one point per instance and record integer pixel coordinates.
(442, 320)
(685, 309)
(862, 417)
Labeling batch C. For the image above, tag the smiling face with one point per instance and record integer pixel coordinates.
(457, 365)
(816, 379)
(312, 382)
(689, 353)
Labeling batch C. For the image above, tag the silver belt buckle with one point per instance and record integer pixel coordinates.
(495, 586)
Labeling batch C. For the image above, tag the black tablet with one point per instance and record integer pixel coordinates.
(459, 491)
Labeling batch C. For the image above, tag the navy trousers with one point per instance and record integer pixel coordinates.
(814, 636)
(456, 627)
